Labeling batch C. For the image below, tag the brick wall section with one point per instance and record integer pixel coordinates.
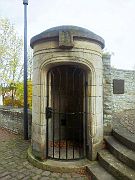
(107, 94)
(124, 101)
(12, 119)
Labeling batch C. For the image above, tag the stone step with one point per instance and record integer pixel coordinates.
(124, 136)
(97, 172)
(115, 167)
(120, 151)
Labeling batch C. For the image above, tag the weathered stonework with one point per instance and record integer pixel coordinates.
(124, 101)
(84, 51)
(107, 94)
(117, 104)
(81, 48)
(12, 119)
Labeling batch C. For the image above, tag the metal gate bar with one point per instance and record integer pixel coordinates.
(67, 143)
(59, 114)
(53, 115)
(66, 113)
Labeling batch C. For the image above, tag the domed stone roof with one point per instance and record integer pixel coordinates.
(74, 31)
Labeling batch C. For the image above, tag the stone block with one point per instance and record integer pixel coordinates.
(36, 104)
(36, 90)
(65, 40)
(35, 118)
(38, 150)
(43, 104)
(36, 77)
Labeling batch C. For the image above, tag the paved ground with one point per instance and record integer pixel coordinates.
(14, 165)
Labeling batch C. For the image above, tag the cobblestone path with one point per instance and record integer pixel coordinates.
(14, 164)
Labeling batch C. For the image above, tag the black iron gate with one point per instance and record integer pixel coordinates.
(66, 113)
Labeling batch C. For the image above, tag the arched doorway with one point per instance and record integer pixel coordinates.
(66, 112)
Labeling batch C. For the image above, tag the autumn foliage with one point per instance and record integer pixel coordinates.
(14, 96)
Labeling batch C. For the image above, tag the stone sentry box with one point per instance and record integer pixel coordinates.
(68, 47)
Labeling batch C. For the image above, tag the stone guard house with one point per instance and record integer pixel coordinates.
(75, 93)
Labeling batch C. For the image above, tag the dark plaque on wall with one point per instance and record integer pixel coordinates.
(118, 86)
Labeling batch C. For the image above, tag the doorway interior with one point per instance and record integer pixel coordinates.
(66, 112)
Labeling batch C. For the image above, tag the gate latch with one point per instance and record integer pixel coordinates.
(49, 111)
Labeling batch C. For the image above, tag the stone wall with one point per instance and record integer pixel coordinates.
(117, 106)
(12, 119)
(124, 101)
(107, 94)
